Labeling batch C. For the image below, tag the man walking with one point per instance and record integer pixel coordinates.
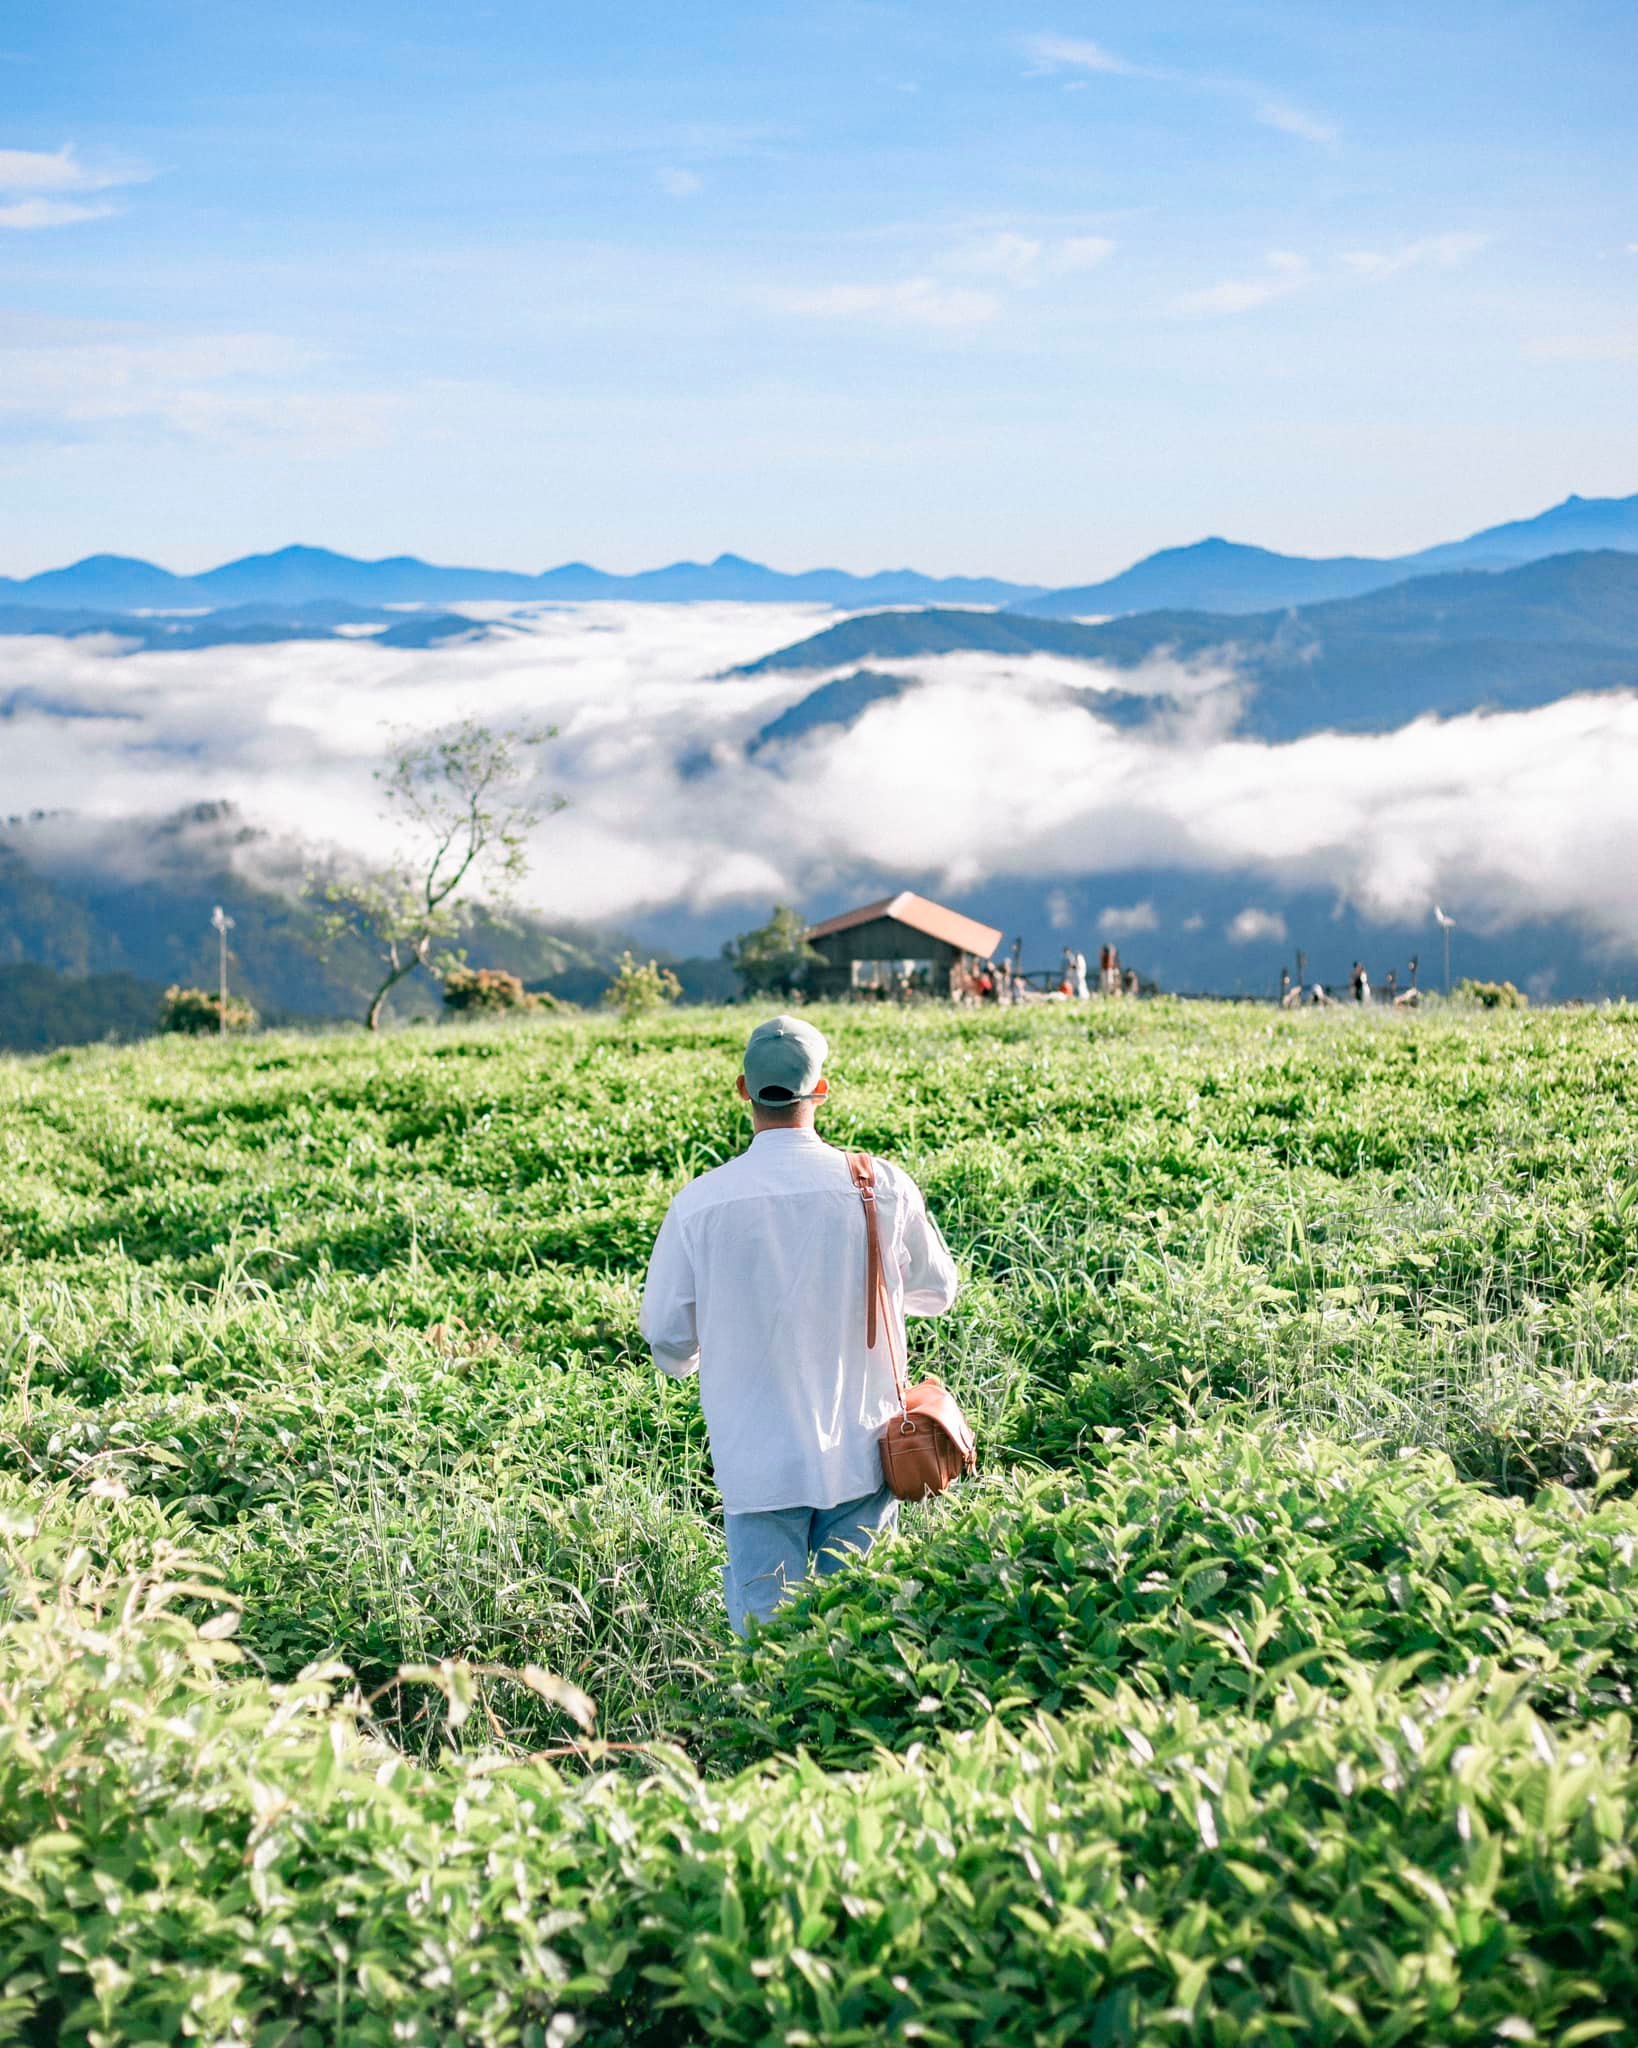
(758, 1282)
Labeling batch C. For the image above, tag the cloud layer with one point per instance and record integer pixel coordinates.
(46, 188)
(1507, 816)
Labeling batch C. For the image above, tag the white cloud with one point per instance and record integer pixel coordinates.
(60, 170)
(1016, 258)
(1513, 816)
(243, 388)
(50, 213)
(33, 180)
(907, 302)
(1077, 53)
(678, 183)
(1285, 273)
(1027, 260)
(1296, 121)
(1083, 252)
(1431, 252)
(1194, 922)
(1052, 53)
(1060, 911)
(1254, 926)
(1117, 923)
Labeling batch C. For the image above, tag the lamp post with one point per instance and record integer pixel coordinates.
(221, 924)
(1446, 925)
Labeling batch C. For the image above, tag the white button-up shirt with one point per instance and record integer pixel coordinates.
(758, 1280)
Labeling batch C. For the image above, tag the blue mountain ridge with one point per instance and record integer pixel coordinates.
(245, 625)
(1210, 575)
(1225, 576)
(1441, 645)
(299, 575)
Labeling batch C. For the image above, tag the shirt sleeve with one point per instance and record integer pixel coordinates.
(667, 1316)
(931, 1281)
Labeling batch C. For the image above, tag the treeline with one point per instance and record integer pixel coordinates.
(40, 1008)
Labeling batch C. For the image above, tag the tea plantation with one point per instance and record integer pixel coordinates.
(363, 1677)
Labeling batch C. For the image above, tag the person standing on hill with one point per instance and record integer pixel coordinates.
(757, 1281)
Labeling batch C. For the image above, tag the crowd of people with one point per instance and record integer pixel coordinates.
(1294, 993)
(1003, 981)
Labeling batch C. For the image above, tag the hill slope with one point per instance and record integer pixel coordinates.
(134, 897)
(246, 625)
(1441, 644)
(1224, 576)
(1219, 576)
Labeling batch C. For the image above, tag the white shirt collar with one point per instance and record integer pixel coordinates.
(786, 1133)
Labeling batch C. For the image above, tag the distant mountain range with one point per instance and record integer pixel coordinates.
(1212, 575)
(1224, 576)
(299, 575)
(1440, 644)
(248, 625)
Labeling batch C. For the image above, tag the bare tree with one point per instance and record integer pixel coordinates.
(465, 796)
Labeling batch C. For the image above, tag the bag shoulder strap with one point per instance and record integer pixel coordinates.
(863, 1169)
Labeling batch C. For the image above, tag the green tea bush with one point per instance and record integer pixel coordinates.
(185, 1852)
(1198, 1563)
(1271, 1687)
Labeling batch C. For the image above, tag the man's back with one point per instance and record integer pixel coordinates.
(758, 1278)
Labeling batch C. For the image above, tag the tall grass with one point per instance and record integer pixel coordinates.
(1304, 1357)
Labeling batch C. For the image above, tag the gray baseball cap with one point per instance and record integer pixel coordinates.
(782, 1062)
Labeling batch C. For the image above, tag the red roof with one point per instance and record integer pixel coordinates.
(932, 919)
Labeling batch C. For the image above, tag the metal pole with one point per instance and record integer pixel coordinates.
(1445, 925)
(223, 925)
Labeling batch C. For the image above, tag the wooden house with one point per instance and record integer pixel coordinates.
(903, 942)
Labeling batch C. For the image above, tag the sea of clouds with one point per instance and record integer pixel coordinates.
(986, 767)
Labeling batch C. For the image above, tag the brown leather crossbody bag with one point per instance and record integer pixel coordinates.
(929, 1443)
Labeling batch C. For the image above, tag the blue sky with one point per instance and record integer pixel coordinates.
(1023, 290)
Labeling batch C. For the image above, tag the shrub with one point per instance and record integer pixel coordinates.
(638, 988)
(1193, 1563)
(1491, 995)
(190, 1853)
(197, 1010)
(485, 991)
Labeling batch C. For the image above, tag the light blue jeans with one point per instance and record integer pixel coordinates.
(771, 1553)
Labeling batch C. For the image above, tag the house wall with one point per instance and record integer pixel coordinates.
(884, 938)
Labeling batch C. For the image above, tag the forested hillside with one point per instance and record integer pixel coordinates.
(1440, 644)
